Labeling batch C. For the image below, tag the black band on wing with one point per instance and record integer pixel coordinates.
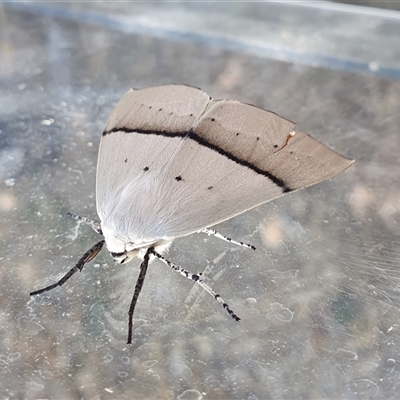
(190, 134)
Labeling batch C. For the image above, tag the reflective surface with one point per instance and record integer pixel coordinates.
(319, 300)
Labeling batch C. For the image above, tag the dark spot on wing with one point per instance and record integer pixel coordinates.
(210, 187)
(275, 145)
(145, 168)
(126, 159)
(178, 178)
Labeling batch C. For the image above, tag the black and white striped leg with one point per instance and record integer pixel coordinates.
(88, 256)
(196, 278)
(95, 225)
(138, 288)
(227, 239)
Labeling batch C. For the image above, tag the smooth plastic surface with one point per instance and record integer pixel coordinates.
(319, 299)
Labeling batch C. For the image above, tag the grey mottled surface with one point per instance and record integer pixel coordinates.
(319, 300)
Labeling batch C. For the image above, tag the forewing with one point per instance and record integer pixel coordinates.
(267, 144)
(142, 133)
(237, 157)
(172, 162)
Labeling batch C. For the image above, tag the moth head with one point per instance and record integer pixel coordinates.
(125, 250)
(121, 251)
(124, 257)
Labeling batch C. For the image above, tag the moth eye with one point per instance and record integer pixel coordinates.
(120, 258)
(115, 255)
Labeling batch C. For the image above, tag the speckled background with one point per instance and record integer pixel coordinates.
(319, 300)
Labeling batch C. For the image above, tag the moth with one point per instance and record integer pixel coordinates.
(173, 162)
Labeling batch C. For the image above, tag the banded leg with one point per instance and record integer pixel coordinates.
(227, 239)
(88, 256)
(196, 278)
(95, 225)
(138, 288)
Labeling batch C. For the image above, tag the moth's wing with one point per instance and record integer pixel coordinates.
(220, 160)
(142, 134)
(160, 112)
(237, 157)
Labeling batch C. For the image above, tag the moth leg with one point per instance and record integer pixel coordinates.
(138, 288)
(88, 256)
(196, 278)
(227, 239)
(95, 225)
